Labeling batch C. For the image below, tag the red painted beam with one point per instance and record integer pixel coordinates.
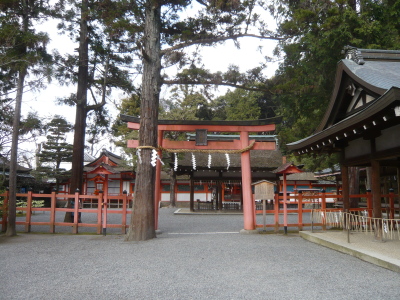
(212, 145)
(211, 128)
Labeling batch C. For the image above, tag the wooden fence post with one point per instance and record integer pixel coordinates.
(323, 208)
(99, 211)
(300, 209)
(52, 211)
(105, 207)
(124, 203)
(28, 216)
(276, 212)
(76, 212)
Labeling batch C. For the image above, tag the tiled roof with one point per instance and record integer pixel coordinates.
(307, 176)
(258, 159)
(382, 74)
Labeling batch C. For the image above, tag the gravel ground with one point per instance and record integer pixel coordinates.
(195, 257)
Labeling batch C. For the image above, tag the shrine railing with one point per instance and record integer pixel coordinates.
(100, 205)
(300, 203)
(359, 221)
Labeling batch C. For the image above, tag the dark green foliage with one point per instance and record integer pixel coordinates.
(316, 33)
(55, 151)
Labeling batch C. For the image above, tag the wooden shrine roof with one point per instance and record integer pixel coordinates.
(115, 163)
(259, 159)
(375, 74)
(275, 120)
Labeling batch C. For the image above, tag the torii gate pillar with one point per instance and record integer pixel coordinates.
(244, 127)
(248, 203)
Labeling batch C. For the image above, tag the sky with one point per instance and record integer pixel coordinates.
(215, 59)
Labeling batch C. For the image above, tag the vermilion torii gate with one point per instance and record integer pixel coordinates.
(244, 145)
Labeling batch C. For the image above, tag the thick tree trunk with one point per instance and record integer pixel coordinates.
(12, 202)
(81, 109)
(142, 226)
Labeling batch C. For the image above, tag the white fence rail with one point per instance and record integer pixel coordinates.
(388, 229)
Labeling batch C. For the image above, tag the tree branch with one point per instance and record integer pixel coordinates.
(210, 82)
(209, 41)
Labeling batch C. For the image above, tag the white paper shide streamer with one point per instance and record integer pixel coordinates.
(153, 160)
(176, 162)
(194, 161)
(228, 161)
(209, 161)
(138, 154)
(154, 157)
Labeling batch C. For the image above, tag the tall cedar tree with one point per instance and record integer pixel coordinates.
(21, 49)
(102, 53)
(165, 36)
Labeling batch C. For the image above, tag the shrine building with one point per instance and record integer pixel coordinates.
(362, 121)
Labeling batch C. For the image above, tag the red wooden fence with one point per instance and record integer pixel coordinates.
(297, 205)
(102, 202)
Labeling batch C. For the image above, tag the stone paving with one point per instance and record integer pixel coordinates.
(195, 257)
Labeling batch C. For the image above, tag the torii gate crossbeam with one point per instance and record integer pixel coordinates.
(243, 127)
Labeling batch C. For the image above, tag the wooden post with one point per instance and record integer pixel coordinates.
(276, 212)
(264, 208)
(5, 211)
(369, 203)
(248, 204)
(105, 201)
(345, 187)
(300, 210)
(220, 188)
(398, 187)
(124, 202)
(376, 197)
(99, 211)
(376, 189)
(157, 191)
(28, 219)
(284, 204)
(76, 212)
(323, 207)
(391, 203)
(191, 195)
(53, 211)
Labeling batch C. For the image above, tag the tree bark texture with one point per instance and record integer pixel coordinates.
(80, 112)
(142, 226)
(12, 202)
(81, 103)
